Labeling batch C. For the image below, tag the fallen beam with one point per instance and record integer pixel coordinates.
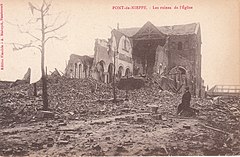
(215, 129)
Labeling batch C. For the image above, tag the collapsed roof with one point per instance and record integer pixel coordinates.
(186, 29)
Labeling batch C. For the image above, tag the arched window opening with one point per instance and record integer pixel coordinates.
(179, 45)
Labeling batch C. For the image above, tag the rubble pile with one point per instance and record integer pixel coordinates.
(16, 105)
(225, 113)
(83, 120)
(76, 96)
(66, 96)
(5, 84)
(80, 99)
(224, 116)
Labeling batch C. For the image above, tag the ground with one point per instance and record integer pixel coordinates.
(84, 123)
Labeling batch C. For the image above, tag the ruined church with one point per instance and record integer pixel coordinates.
(172, 52)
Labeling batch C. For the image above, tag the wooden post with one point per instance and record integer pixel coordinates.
(114, 79)
(35, 89)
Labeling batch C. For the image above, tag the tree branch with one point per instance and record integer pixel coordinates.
(55, 37)
(37, 39)
(33, 21)
(57, 28)
(18, 47)
(55, 20)
(27, 32)
(32, 7)
(45, 11)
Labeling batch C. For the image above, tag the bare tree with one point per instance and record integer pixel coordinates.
(45, 32)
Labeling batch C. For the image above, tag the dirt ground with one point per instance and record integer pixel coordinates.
(84, 125)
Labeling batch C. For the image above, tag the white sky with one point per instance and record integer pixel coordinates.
(88, 20)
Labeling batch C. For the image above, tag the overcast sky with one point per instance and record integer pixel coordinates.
(88, 20)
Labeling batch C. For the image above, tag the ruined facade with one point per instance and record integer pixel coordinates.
(106, 52)
(173, 52)
(79, 66)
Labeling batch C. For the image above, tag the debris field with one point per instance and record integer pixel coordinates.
(83, 121)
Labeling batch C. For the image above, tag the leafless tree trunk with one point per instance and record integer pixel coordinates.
(47, 33)
(44, 80)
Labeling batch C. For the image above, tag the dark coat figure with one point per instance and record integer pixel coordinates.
(185, 105)
(186, 98)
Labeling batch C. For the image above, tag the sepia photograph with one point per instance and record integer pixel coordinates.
(119, 78)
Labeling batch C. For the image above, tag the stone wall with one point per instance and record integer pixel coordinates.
(79, 67)
(185, 51)
(161, 60)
